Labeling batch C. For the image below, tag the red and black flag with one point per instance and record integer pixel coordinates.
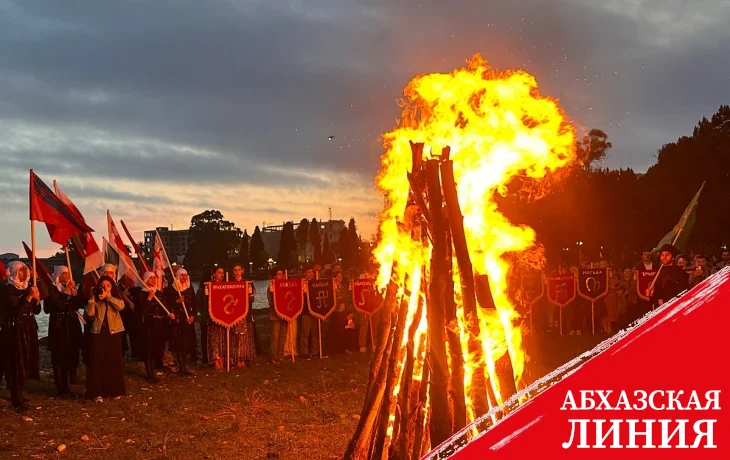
(62, 223)
(46, 283)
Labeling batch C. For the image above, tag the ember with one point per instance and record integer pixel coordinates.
(450, 342)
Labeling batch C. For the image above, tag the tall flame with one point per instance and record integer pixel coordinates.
(499, 128)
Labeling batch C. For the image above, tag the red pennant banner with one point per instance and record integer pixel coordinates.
(652, 392)
(289, 298)
(364, 297)
(561, 289)
(644, 278)
(593, 283)
(228, 302)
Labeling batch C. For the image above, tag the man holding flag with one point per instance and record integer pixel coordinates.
(671, 280)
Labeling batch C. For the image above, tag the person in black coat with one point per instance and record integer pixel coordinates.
(19, 303)
(64, 330)
(671, 280)
(183, 341)
(148, 303)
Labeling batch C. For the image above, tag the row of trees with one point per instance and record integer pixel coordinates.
(618, 212)
(216, 240)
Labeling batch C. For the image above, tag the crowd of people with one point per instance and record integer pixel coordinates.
(623, 304)
(153, 323)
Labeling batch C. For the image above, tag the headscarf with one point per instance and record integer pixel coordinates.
(109, 268)
(183, 286)
(145, 277)
(57, 272)
(13, 270)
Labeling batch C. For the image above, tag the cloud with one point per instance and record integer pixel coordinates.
(162, 109)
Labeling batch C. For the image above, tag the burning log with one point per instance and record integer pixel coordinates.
(407, 428)
(435, 312)
(478, 389)
(394, 368)
(362, 441)
(456, 385)
(503, 365)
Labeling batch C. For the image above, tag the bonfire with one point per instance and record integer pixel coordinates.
(450, 343)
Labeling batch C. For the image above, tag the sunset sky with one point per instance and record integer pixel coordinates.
(159, 110)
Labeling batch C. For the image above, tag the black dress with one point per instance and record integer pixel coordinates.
(18, 339)
(65, 337)
(105, 374)
(183, 338)
(153, 331)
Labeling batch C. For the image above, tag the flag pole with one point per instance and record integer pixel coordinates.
(174, 278)
(68, 262)
(32, 243)
(682, 224)
(228, 343)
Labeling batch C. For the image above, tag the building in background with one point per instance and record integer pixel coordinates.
(175, 241)
(271, 235)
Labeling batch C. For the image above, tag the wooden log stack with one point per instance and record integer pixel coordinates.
(416, 398)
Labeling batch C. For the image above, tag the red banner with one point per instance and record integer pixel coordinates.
(364, 297)
(561, 289)
(644, 278)
(593, 283)
(289, 298)
(228, 302)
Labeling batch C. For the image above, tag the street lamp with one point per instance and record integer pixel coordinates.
(580, 252)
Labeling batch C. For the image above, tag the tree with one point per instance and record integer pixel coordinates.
(353, 242)
(244, 254)
(257, 249)
(326, 250)
(212, 239)
(342, 246)
(592, 148)
(302, 236)
(315, 240)
(287, 256)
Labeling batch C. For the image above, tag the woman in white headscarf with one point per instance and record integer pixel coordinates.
(19, 303)
(154, 324)
(183, 340)
(64, 330)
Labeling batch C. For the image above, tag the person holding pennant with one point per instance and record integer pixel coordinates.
(278, 325)
(342, 331)
(308, 342)
(593, 285)
(321, 303)
(183, 304)
(227, 306)
(288, 296)
(244, 333)
(367, 303)
(561, 292)
(155, 319)
(216, 332)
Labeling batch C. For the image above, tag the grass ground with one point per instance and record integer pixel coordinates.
(306, 409)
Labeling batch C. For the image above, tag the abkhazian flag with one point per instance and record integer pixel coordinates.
(115, 242)
(62, 223)
(159, 262)
(680, 233)
(85, 243)
(125, 269)
(137, 250)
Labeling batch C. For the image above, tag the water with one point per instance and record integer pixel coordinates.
(260, 302)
